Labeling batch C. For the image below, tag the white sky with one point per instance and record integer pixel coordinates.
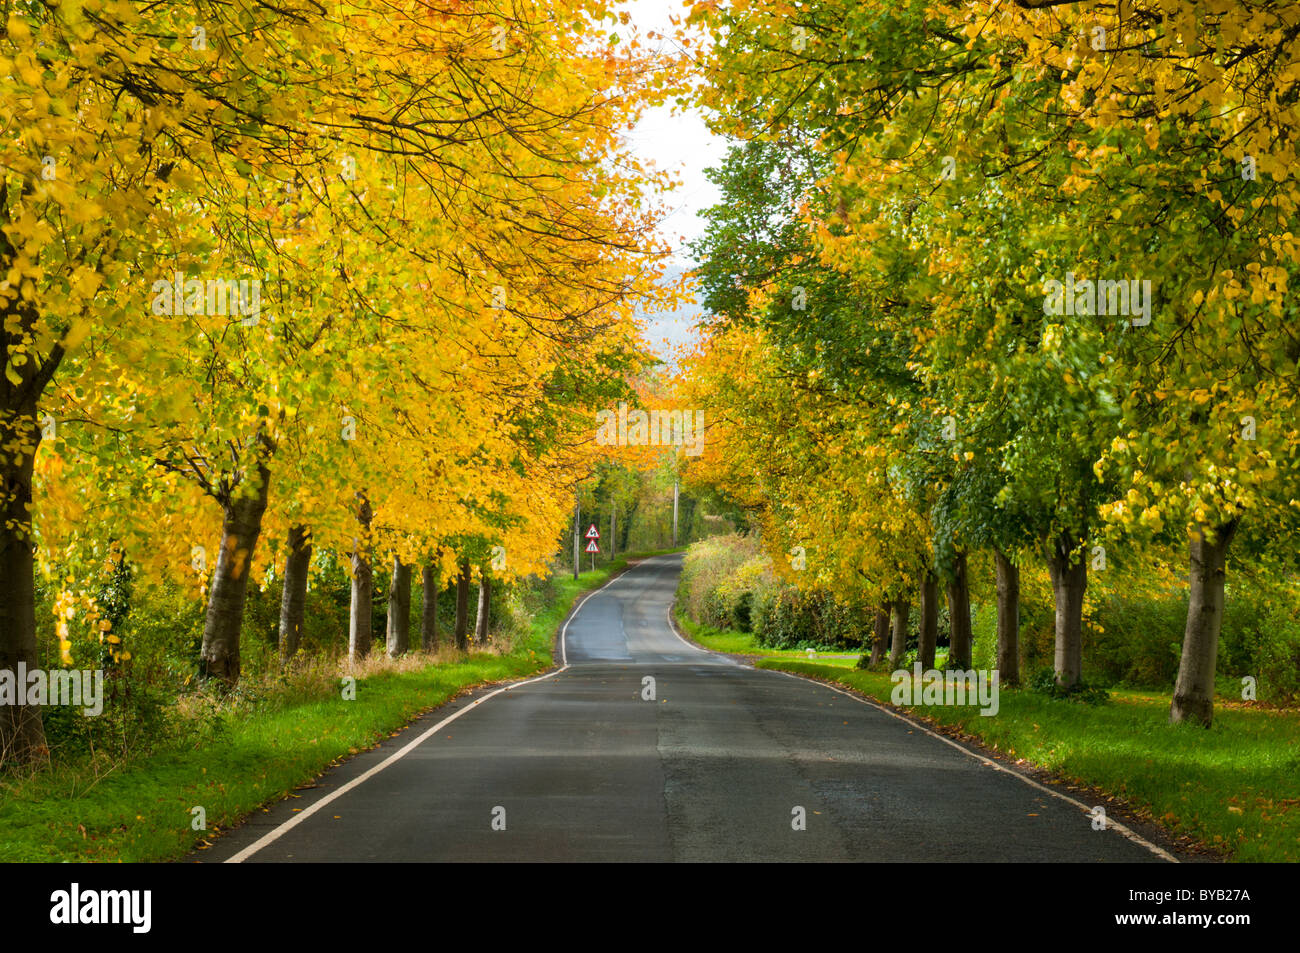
(678, 141)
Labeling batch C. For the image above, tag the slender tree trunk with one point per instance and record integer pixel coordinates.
(901, 610)
(481, 633)
(1069, 574)
(929, 634)
(1008, 619)
(293, 596)
(399, 610)
(880, 636)
(22, 734)
(1194, 691)
(241, 525)
(360, 632)
(959, 641)
(429, 612)
(462, 606)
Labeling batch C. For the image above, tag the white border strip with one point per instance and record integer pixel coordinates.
(564, 652)
(1130, 834)
(272, 836)
(718, 657)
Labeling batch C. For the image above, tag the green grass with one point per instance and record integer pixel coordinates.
(251, 756)
(743, 643)
(1235, 787)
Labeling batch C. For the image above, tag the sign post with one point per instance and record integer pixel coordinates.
(675, 492)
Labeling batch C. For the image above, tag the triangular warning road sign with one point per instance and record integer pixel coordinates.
(592, 547)
(593, 533)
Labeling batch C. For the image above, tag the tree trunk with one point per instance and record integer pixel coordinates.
(1008, 619)
(429, 612)
(462, 606)
(399, 610)
(929, 634)
(899, 648)
(959, 640)
(1194, 691)
(481, 633)
(360, 634)
(240, 527)
(22, 734)
(293, 596)
(880, 636)
(1069, 574)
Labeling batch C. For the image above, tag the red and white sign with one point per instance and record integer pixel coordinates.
(592, 547)
(593, 533)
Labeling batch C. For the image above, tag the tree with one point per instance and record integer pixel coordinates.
(293, 599)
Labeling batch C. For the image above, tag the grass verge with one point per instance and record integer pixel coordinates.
(244, 754)
(1234, 787)
(732, 642)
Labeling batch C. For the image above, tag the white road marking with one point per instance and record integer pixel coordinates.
(564, 651)
(272, 836)
(1110, 823)
(278, 832)
(717, 657)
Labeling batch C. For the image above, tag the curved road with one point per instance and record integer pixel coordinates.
(577, 765)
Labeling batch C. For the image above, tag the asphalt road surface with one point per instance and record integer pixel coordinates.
(580, 766)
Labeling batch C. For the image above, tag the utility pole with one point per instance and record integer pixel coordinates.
(576, 534)
(674, 514)
(611, 532)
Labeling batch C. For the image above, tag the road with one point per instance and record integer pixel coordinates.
(579, 766)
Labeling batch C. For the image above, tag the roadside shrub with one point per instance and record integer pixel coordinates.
(717, 609)
(136, 705)
(712, 582)
(727, 583)
(796, 619)
(742, 611)
(789, 621)
(1136, 638)
(913, 655)
(1261, 637)
(1043, 682)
